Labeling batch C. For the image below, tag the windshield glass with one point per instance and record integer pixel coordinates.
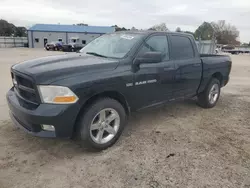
(115, 45)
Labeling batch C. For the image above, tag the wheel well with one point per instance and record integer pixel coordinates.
(108, 94)
(218, 76)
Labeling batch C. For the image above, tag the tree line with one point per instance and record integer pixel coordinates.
(222, 32)
(9, 29)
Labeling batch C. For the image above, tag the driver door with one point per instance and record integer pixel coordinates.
(153, 81)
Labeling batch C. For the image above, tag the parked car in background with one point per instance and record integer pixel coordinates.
(72, 47)
(54, 45)
(90, 94)
(235, 50)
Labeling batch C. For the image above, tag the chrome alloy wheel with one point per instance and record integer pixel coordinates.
(213, 94)
(104, 126)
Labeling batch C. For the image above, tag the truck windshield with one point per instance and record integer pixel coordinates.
(115, 45)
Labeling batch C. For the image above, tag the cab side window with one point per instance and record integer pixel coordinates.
(156, 44)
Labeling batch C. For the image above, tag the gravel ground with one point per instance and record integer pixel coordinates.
(179, 145)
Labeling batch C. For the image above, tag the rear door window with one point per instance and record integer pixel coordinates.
(181, 47)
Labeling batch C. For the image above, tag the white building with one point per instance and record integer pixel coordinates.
(40, 34)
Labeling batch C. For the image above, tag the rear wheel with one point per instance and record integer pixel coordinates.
(55, 48)
(102, 124)
(209, 97)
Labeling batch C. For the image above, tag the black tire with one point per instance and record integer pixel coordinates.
(55, 48)
(83, 126)
(203, 98)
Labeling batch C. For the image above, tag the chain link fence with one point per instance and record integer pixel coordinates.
(10, 42)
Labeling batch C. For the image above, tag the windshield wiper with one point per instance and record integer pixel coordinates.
(96, 54)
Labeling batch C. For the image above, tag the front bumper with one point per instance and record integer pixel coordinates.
(62, 117)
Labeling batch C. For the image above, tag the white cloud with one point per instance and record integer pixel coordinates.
(140, 13)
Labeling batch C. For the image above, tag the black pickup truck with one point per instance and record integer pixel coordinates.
(90, 94)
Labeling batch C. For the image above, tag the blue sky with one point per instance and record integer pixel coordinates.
(138, 13)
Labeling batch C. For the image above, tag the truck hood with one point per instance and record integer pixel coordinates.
(52, 68)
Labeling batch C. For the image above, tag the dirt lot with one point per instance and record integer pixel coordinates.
(180, 145)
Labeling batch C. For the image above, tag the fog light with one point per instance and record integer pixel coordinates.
(48, 127)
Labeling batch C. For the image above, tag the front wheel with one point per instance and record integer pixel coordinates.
(101, 124)
(209, 97)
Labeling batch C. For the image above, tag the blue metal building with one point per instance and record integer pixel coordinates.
(40, 34)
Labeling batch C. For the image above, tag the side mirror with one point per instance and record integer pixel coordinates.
(149, 57)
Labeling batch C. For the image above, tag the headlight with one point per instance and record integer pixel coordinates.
(56, 95)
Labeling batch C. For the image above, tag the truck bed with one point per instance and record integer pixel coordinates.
(213, 63)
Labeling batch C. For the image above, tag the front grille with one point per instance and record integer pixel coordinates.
(24, 82)
(25, 88)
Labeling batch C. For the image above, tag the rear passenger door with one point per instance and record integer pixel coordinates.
(187, 63)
